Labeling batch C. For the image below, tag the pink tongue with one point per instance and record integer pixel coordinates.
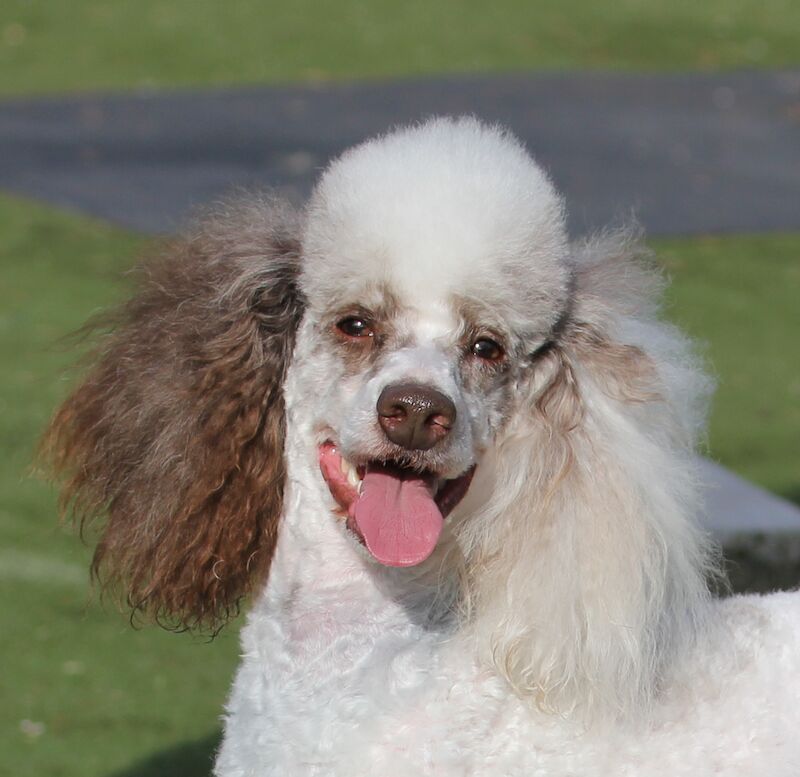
(397, 517)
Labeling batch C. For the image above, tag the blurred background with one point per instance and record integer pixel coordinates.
(117, 118)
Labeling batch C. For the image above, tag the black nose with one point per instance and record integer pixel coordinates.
(415, 417)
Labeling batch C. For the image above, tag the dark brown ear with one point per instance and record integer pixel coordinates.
(176, 436)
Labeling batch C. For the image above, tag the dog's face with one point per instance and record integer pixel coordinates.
(418, 328)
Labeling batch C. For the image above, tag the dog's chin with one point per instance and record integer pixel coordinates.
(395, 511)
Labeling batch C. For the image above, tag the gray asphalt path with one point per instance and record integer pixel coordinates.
(685, 153)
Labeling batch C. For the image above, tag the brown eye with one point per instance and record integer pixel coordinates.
(354, 326)
(487, 349)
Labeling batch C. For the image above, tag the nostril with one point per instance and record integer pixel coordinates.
(395, 411)
(392, 422)
(443, 414)
(438, 427)
(442, 421)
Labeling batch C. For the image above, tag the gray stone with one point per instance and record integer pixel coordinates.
(759, 531)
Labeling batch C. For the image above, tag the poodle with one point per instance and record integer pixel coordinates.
(448, 453)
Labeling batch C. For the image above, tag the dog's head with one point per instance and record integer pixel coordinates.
(461, 371)
(418, 328)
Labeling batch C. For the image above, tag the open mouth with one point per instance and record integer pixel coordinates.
(396, 511)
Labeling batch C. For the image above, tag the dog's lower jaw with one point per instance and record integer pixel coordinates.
(395, 511)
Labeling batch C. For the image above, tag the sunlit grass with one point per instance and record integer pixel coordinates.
(739, 297)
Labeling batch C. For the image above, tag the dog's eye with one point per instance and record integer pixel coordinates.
(487, 349)
(353, 326)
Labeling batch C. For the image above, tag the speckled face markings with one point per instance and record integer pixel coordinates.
(383, 336)
(361, 329)
(496, 380)
(486, 342)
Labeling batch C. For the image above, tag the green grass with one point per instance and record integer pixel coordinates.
(89, 44)
(738, 296)
(84, 694)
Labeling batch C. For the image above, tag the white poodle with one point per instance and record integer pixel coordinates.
(461, 446)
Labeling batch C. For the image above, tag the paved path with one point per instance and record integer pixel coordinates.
(687, 153)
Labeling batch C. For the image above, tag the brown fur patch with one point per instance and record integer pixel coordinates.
(480, 375)
(559, 401)
(623, 372)
(176, 436)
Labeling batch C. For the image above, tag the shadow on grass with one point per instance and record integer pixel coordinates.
(191, 759)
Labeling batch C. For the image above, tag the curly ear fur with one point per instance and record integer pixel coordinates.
(589, 570)
(177, 433)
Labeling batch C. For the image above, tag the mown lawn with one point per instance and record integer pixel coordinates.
(99, 44)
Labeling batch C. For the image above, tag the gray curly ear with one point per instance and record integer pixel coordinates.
(614, 280)
(176, 435)
(616, 335)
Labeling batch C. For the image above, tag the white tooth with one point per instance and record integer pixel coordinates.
(349, 471)
(360, 486)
